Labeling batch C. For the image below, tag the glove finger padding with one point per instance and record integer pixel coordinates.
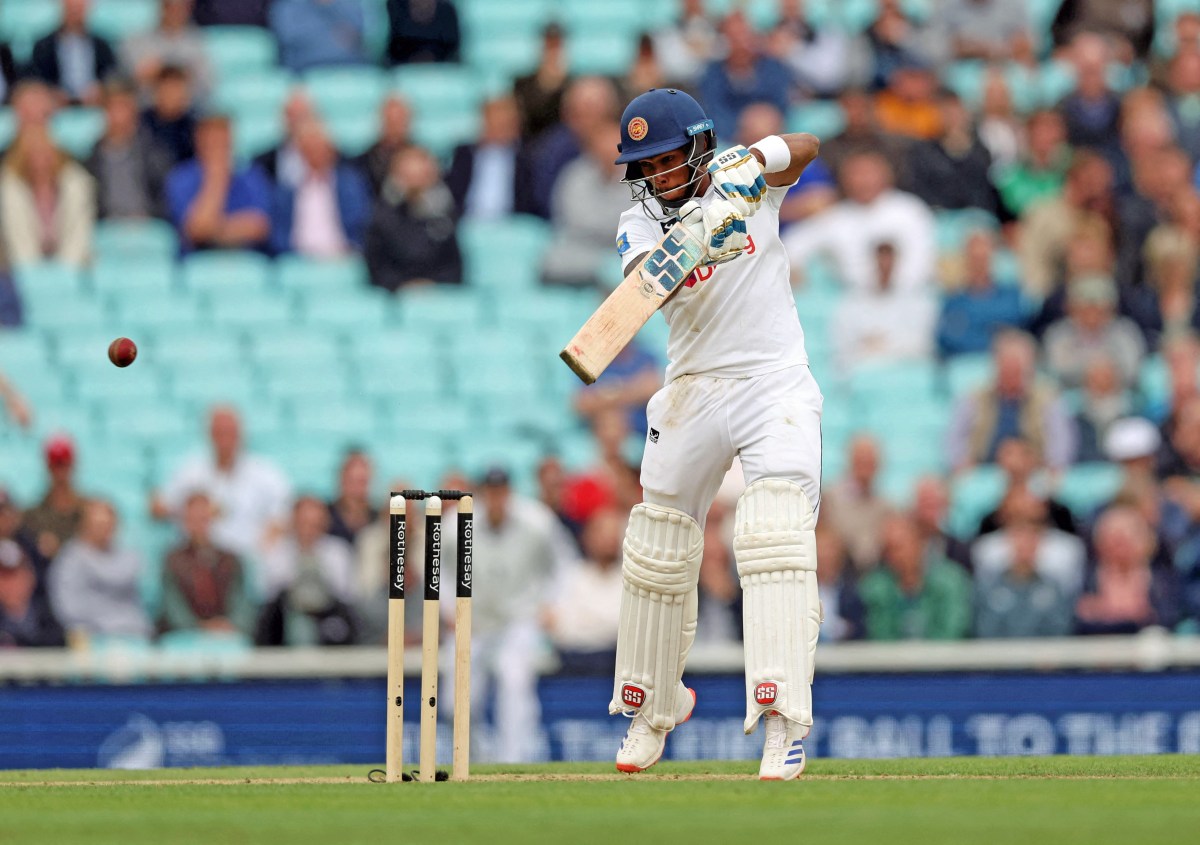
(739, 178)
(720, 228)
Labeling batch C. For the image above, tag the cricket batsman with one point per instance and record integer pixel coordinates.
(737, 383)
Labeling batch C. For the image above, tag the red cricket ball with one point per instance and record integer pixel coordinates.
(122, 351)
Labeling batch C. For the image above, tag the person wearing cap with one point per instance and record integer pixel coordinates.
(25, 617)
(213, 203)
(55, 519)
(1092, 327)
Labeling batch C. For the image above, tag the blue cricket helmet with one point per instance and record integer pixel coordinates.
(658, 121)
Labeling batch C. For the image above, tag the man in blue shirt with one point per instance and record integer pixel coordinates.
(213, 204)
(972, 316)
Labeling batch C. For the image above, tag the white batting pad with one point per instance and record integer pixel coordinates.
(775, 549)
(658, 612)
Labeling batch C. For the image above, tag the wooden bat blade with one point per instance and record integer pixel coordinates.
(621, 316)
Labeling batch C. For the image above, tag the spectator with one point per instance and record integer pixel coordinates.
(129, 166)
(883, 325)
(47, 203)
(1181, 354)
(895, 41)
(1124, 594)
(1058, 556)
(1039, 173)
(1015, 404)
(814, 191)
(688, 43)
(1018, 601)
(1025, 474)
(71, 58)
(872, 213)
(213, 204)
(232, 12)
(951, 170)
(588, 105)
(838, 587)
(645, 71)
(1183, 82)
(204, 585)
(351, 511)
(1092, 110)
(626, 385)
(285, 164)
(1159, 174)
(552, 486)
(972, 316)
(1047, 227)
(319, 33)
(15, 405)
(745, 75)
(1092, 327)
(57, 517)
(371, 562)
(719, 596)
(1103, 400)
(485, 177)
(587, 203)
(33, 104)
(94, 581)
(854, 509)
(992, 30)
(422, 31)
(310, 583)
(8, 73)
(176, 42)
(411, 237)
(1179, 460)
(931, 501)
(819, 57)
(251, 495)
(1134, 443)
(325, 216)
(1129, 22)
(861, 134)
(1172, 258)
(912, 596)
(583, 618)
(1000, 130)
(170, 119)
(26, 620)
(540, 93)
(514, 564)
(395, 133)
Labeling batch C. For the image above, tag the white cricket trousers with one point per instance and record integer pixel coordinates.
(699, 423)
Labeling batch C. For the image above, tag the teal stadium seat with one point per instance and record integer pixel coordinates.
(304, 275)
(505, 254)
(965, 374)
(143, 239)
(519, 455)
(1085, 487)
(199, 348)
(1154, 385)
(234, 50)
(201, 385)
(22, 347)
(77, 129)
(95, 378)
(441, 134)
(392, 347)
(405, 383)
(856, 15)
(78, 314)
(607, 52)
(500, 381)
(973, 495)
(22, 472)
(823, 118)
(261, 91)
(255, 133)
(114, 468)
(252, 312)
(43, 385)
(514, 54)
(435, 90)
(130, 276)
(49, 283)
(339, 91)
(326, 381)
(294, 346)
(553, 314)
(8, 127)
(24, 21)
(155, 313)
(440, 421)
(116, 20)
(81, 421)
(229, 272)
(354, 132)
(346, 310)
(353, 419)
(451, 309)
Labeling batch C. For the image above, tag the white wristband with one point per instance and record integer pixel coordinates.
(777, 155)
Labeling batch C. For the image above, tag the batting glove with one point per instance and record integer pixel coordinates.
(720, 228)
(739, 178)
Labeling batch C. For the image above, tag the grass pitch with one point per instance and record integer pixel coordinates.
(1025, 801)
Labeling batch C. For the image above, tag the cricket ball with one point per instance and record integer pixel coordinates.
(122, 351)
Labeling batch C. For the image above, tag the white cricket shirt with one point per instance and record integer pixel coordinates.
(735, 319)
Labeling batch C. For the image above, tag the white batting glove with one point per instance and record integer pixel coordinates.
(738, 177)
(720, 228)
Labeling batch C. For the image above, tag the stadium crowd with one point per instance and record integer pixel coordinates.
(1000, 194)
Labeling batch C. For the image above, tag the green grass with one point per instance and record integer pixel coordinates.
(1057, 800)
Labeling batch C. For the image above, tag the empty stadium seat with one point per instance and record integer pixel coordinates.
(973, 495)
(256, 132)
(513, 55)
(144, 239)
(24, 21)
(22, 347)
(449, 308)
(77, 129)
(234, 50)
(437, 88)
(1084, 487)
(353, 419)
(260, 91)
(394, 347)
(116, 20)
(230, 271)
(347, 310)
(252, 311)
(346, 90)
(119, 277)
(603, 52)
(406, 383)
(300, 274)
(503, 254)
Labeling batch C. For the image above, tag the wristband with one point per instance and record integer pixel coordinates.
(777, 155)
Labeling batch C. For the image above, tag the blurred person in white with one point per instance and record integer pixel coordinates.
(325, 214)
(129, 165)
(483, 175)
(583, 616)
(1102, 400)
(854, 508)
(94, 581)
(587, 202)
(1125, 593)
(71, 58)
(883, 325)
(515, 571)
(352, 510)
(395, 133)
(310, 585)
(412, 237)
(26, 620)
(1093, 327)
(205, 587)
(815, 191)
(175, 41)
(1058, 556)
(688, 44)
(872, 212)
(992, 30)
(47, 203)
(1016, 404)
(820, 58)
(1018, 601)
(56, 518)
(252, 496)
(319, 33)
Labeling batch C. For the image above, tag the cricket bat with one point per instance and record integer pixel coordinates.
(621, 316)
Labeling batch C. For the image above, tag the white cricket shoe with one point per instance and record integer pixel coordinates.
(783, 751)
(643, 745)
